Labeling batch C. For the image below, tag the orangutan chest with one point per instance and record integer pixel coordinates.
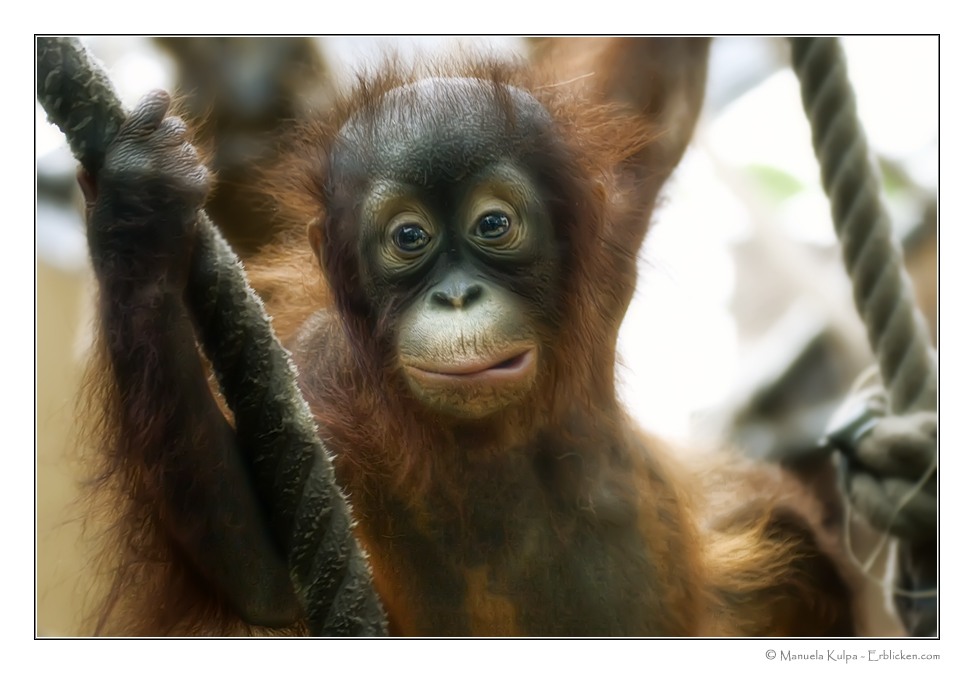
(499, 572)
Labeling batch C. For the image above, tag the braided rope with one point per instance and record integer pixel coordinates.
(881, 289)
(292, 470)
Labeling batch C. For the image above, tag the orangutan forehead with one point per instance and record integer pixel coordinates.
(440, 128)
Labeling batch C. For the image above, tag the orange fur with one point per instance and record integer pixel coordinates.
(725, 548)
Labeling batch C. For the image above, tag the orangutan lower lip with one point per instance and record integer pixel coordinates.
(508, 367)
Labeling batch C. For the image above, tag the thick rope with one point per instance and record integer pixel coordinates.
(77, 95)
(883, 294)
(292, 470)
(881, 289)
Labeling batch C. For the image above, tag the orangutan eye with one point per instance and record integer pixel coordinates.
(493, 226)
(411, 238)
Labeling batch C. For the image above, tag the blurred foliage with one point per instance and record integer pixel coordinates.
(894, 177)
(775, 183)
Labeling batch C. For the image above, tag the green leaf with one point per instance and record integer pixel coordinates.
(777, 184)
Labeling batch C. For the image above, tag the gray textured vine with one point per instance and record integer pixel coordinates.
(292, 470)
(881, 289)
(78, 96)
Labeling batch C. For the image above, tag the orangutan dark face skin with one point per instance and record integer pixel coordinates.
(479, 248)
(453, 238)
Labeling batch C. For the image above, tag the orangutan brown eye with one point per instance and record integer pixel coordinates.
(493, 225)
(411, 238)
